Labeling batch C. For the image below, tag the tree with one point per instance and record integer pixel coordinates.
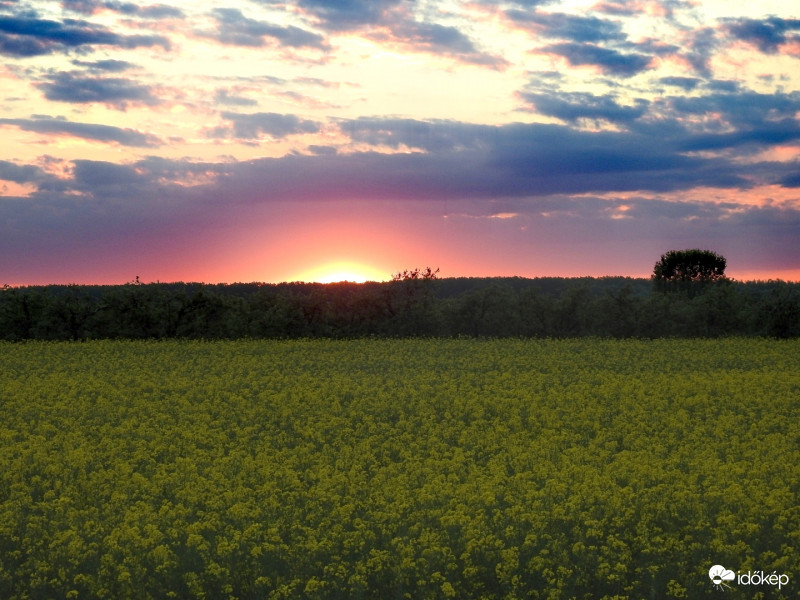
(409, 302)
(417, 273)
(681, 269)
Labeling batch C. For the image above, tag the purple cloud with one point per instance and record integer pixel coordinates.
(25, 36)
(77, 88)
(570, 27)
(252, 126)
(608, 61)
(768, 35)
(88, 131)
(236, 29)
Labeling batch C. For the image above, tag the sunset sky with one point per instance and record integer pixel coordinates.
(261, 140)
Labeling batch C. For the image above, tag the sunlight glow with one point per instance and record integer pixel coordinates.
(342, 271)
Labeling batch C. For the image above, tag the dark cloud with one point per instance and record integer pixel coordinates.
(454, 160)
(546, 159)
(84, 7)
(744, 122)
(26, 36)
(152, 11)
(114, 91)
(686, 83)
(441, 40)
(768, 34)
(610, 62)
(393, 22)
(723, 85)
(701, 46)
(766, 134)
(107, 65)
(253, 126)
(91, 175)
(236, 29)
(557, 159)
(561, 181)
(625, 8)
(463, 160)
(621, 9)
(571, 106)
(322, 150)
(19, 173)
(89, 131)
(569, 27)
(351, 14)
(793, 180)
(158, 11)
(742, 109)
(430, 136)
(223, 96)
(514, 4)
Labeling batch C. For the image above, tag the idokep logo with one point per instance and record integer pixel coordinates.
(719, 576)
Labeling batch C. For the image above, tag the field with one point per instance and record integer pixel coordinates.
(399, 469)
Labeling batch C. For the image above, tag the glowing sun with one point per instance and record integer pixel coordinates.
(342, 271)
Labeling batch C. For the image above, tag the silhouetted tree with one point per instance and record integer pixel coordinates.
(683, 269)
(779, 312)
(428, 273)
(409, 302)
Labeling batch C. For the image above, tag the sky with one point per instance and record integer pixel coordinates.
(284, 140)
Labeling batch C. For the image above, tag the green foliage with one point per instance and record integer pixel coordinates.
(592, 469)
(688, 269)
(419, 305)
(415, 274)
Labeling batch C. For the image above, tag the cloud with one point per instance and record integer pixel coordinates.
(686, 83)
(429, 136)
(459, 161)
(253, 126)
(393, 22)
(75, 87)
(793, 180)
(89, 131)
(740, 109)
(20, 173)
(537, 159)
(510, 161)
(609, 61)
(93, 175)
(768, 35)
(768, 134)
(441, 40)
(322, 150)
(152, 11)
(223, 96)
(347, 15)
(140, 205)
(236, 29)
(26, 36)
(108, 65)
(572, 106)
(631, 8)
(570, 27)
(513, 4)
(700, 47)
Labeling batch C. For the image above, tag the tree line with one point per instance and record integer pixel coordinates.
(407, 306)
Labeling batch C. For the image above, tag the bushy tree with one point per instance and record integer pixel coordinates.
(681, 269)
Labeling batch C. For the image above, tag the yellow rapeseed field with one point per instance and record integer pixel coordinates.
(399, 469)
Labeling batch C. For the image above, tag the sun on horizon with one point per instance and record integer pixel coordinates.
(342, 271)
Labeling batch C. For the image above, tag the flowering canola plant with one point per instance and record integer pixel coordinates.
(436, 468)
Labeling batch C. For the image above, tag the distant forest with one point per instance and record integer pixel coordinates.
(449, 307)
